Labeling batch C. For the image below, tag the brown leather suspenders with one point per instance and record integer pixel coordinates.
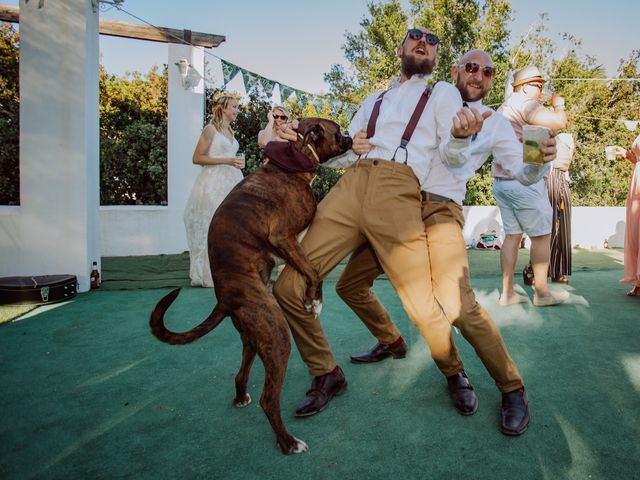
(411, 126)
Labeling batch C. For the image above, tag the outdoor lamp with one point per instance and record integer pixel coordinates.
(184, 66)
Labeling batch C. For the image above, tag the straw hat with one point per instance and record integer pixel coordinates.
(527, 74)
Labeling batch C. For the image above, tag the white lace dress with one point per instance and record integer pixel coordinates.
(211, 187)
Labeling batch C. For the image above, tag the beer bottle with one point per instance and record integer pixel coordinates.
(95, 276)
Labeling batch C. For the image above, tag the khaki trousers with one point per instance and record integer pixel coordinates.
(443, 223)
(378, 202)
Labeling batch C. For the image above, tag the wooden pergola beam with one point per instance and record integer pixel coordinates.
(114, 28)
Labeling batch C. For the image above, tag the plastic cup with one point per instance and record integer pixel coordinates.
(610, 152)
(240, 157)
(532, 138)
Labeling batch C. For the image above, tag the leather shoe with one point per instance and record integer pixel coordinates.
(462, 394)
(514, 412)
(398, 349)
(323, 388)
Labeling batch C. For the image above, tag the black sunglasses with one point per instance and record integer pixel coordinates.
(281, 117)
(473, 67)
(417, 34)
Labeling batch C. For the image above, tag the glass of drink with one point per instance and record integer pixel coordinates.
(532, 138)
(610, 152)
(240, 157)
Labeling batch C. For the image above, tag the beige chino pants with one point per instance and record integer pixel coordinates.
(378, 202)
(443, 222)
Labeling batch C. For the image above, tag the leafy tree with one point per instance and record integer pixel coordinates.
(133, 138)
(371, 52)
(9, 116)
(251, 119)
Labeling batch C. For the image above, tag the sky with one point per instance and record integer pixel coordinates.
(296, 42)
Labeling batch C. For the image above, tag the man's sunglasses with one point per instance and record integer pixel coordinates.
(417, 34)
(281, 117)
(473, 67)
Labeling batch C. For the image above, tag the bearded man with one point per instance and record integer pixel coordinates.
(400, 133)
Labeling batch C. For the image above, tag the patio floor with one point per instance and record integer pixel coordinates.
(87, 392)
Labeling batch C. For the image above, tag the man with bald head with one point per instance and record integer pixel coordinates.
(444, 190)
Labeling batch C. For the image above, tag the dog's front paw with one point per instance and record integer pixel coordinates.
(314, 307)
(243, 402)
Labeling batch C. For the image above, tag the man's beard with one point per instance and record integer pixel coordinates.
(469, 94)
(411, 66)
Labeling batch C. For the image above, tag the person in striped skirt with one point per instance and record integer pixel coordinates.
(560, 199)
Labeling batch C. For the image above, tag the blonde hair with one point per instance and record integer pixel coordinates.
(218, 104)
(282, 109)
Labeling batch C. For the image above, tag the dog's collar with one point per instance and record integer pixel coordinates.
(289, 158)
(315, 155)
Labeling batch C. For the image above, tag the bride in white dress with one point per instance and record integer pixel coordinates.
(221, 171)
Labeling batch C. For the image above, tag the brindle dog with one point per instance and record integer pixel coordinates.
(260, 218)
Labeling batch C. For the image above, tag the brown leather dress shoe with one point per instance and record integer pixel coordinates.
(462, 394)
(514, 414)
(323, 389)
(398, 349)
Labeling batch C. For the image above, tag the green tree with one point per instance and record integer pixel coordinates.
(133, 138)
(371, 53)
(9, 116)
(251, 119)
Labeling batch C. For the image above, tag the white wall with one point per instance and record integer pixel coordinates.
(143, 230)
(58, 228)
(590, 226)
(55, 229)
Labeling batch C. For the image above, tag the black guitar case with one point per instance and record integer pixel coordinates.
(37, 290)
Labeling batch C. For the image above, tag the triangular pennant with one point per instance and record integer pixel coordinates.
(302, 97)
(229, 70)
(267, 86)
(630, 124)
(250, 80)
(285, 92)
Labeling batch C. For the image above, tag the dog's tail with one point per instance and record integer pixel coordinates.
(156, 322)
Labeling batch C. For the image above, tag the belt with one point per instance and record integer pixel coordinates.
(432, 197)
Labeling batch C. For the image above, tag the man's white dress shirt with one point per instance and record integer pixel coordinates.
(432, 137)
(496, 137)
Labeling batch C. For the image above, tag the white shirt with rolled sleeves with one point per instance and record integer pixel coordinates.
(496, 137)
(432, 137)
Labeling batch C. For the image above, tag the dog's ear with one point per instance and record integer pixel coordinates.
(313, 135)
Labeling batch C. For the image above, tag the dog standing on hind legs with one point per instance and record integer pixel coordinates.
(259, 219)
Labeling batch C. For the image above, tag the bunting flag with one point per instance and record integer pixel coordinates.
(229, 71)
(251, 80)
(285, 92)
(267, 86)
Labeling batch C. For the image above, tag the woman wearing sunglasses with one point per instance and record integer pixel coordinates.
(276, 117)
